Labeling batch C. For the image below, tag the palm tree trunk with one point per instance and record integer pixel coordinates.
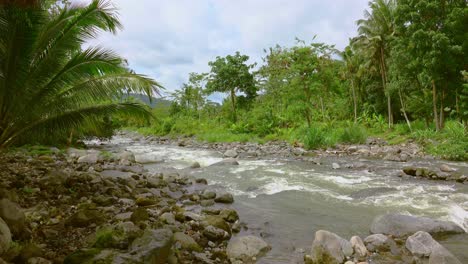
(384, 85)
(434, 105)
(441, 113)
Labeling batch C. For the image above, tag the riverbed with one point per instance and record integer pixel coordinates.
(286, 200)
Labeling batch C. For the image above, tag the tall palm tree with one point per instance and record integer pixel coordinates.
(48, 83)
(374, 36)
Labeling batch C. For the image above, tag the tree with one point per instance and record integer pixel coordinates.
(434, 33)
(232, 74)
(352, 72)
(191, 96)
(49, 85)
(374, 36)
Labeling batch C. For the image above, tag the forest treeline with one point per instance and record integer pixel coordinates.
(403, 74)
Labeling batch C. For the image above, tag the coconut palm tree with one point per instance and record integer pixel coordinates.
(374, 37)
(49, 84)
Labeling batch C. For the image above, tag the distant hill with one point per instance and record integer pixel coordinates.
(145, 99)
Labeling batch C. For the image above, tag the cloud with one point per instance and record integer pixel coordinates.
(167, 39)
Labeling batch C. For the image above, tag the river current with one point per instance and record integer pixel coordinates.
(286, 201)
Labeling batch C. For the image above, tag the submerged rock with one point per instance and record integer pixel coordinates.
(226, 162)
(404, 225)
(330, 248)
(371, 192)
(224, 198)
(247, 249)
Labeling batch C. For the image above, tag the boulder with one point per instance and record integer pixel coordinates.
(335, 166)
(154, 246)
(224, 198)
(379, 242)
(215, 234)
(195, 165)
(207, 195)
(186, 242)
(226, 162)
(446, 168)
(247, 249)
(13, 216)
(231, 153)
(422, 245)
(229, 215)
(126, 158)
(360, 250)
(91, 158)
(330, 248)
(5, 237)
(405, 225)
(139, 215)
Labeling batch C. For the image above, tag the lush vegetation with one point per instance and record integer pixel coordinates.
(402, 77)
(51, 88)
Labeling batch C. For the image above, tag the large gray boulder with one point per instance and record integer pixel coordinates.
(247, 249)
(422, 245)
(329, 248)
(13, 216)
(154, 246)
(405, 225)
(379, 242)
(5, 237)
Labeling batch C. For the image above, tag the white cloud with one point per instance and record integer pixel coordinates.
(167, 39)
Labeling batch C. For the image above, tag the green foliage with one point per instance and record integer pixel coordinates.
(353, 134)
(49, 85)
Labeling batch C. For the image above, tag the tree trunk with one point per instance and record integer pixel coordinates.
(322, 108)
(441, 113)
(434, 106)
(403, 109)
(233, 101)
(354, 101)
(384, 85)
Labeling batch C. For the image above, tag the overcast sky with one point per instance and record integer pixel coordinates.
(167, 39)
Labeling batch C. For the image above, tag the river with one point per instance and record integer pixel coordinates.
(286, 201)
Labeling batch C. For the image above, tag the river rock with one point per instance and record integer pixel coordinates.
(154, 246)
(168, 218)
(186, 242)
(404, 225)
(224, 198)
(247, 249)
(91, 158)
(208, 194)
(216, 221)
(330, 248)
(231, 153)
(5, 237)
(85, 217)
(422, 245)
(360, 250)
(195, 165)
(215, 234)
(226, 162)
(229, 215)
(126, 158)
(13, 216)
(446, 168)
(379, 242)
(335, 166)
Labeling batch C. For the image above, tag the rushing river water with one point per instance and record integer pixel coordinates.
(286, 201)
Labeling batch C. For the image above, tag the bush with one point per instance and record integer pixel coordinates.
(353, 134)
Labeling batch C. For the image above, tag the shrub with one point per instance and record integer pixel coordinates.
(353, 134)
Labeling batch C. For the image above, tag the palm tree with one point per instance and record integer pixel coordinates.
(49, 85)
(374, 34)
(352, 71)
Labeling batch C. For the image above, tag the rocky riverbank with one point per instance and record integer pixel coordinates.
(86, 206)
(395, 239)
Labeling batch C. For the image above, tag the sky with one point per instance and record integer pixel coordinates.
(168, 39)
